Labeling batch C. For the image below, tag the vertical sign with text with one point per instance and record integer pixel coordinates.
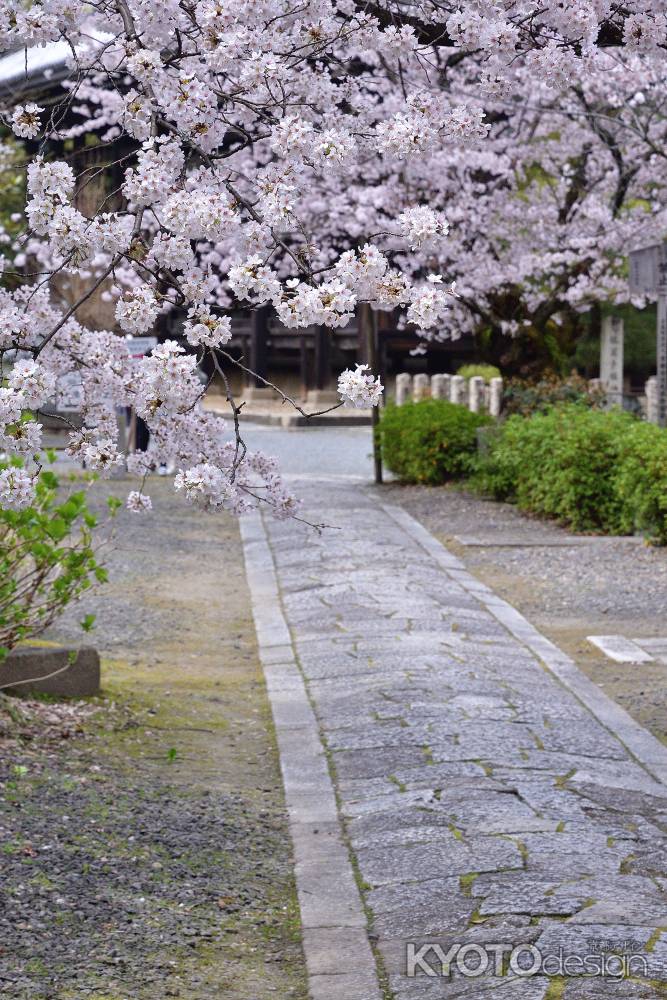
(661, 346)
(611, 359)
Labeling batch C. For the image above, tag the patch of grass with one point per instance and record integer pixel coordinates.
(556, 988)
(466, 882)
(561, 780)
(654, 938)
(402, 787)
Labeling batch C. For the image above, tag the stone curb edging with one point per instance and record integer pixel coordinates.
(642, 745)
(292, 420)
(335, 938)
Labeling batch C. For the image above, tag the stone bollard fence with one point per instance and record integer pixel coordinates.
(474, 394)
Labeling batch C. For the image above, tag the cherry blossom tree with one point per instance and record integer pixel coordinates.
(234, 119)
(539, 215)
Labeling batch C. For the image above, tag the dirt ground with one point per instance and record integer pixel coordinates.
(566, 589)
(144, 848)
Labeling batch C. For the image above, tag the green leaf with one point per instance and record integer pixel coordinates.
(58, 529)
(49, 479)
(88, 622)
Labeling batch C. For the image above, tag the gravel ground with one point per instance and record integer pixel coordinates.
(567, 589)
(143, 848)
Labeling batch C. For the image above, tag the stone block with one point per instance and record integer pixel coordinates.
(46, 670)
(457, 389)
(421, 387)
(476, 394)
(403, 388)
(495, 396)
(440, 386)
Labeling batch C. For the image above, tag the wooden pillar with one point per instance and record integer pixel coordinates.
(368, 330)
(322, 340)
(258, 361)
(304, 366)
(382, 339)
(362, 336)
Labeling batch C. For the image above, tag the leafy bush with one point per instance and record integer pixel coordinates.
(430, 441)
(594, 470)
(46, 560)
(487, 372)
(641, 480)
(526, 397)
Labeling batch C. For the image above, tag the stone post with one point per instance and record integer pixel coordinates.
(421, 385)
(403, 388)
(440, 386)
(476, 394)
(611, 359)
(661, 342)
(457, 389)
(652, 409)
(495, 396)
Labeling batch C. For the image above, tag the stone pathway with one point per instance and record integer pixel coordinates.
(490, 795)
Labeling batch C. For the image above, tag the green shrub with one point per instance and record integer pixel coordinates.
(487, 372)
(429, 442)
(526, 397)
(47, 560)
(560, 464)
(593, 470)
(641, 480)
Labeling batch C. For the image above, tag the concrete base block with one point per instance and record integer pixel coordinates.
(320, 398)
(259, 394)
(45, 670)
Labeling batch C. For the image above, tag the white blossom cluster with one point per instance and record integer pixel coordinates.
(137, 312)
(26, 121)
(429, 303)
(17, 488)
(358, 389)
(421, 226)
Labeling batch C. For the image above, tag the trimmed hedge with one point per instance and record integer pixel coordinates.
(431, 441)
(593, 470)
(487, 372)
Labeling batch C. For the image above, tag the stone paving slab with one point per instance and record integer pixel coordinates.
(489, 794)
(620, 649)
